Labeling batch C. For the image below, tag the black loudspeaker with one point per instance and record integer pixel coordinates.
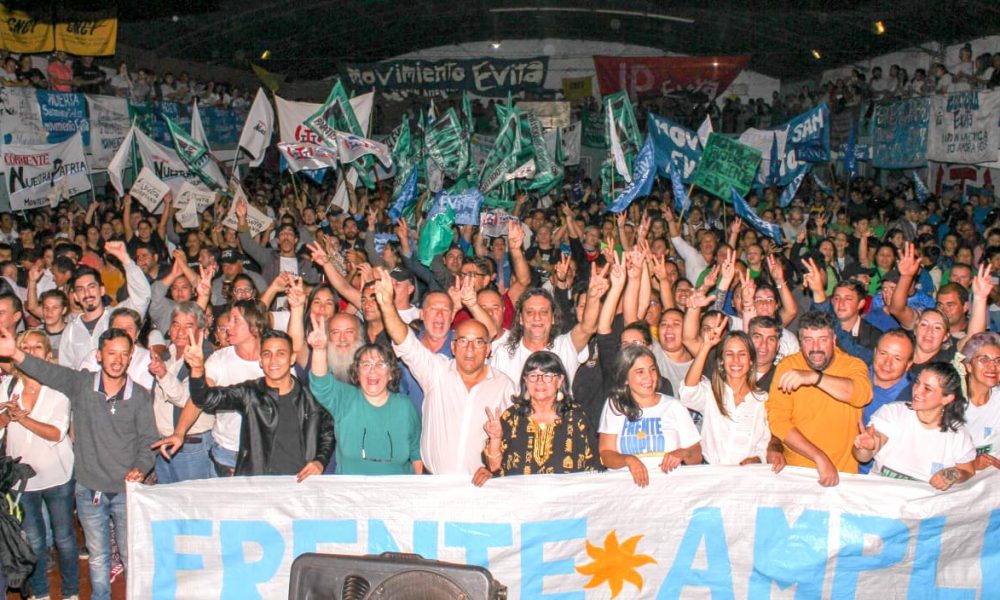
(388, 576)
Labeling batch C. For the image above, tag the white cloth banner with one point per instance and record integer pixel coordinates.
(256, 220)
(21, 117)
(352, 147)
(109, 126)
(189, 194)
(33, 173)
(292, 114)
(197, 128)
(964, 128)
(304, 156)
(258, 129)
(165, 163)
(148, 190)
(728, 532)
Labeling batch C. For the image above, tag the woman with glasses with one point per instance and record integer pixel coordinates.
(982, 415)
(924, 439)
(642, 429)
(543, 431)
(377, 429)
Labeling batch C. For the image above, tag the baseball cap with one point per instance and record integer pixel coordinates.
(401, 274)
(231, 255)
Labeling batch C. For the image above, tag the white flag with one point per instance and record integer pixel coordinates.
(121, 161)
(571, 137)
(704, 130)
(258, 129)
(341, 198)
(148, 189)
(197, 129)
(525, 171)
(302, 156)
(616, 150)
(165, 163)
(292, 115)
(188, 216)
(352, 147)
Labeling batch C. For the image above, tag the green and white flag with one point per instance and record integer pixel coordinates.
(336, 114)
(548, 174)
(197, 129)
(195, 156)
(506, 155)
(446, 142)
(622, 132)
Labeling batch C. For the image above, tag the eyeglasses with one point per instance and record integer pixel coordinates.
(764, 301)
(368, 365)
(985, 361)
(364, 454)
(546, 377)
(477, 343)
(242, 291)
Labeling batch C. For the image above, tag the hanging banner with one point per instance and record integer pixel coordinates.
(899, 133)
(20, 117)
(675, 144)
(87, 37)
(576, 89)
(21, 33)
(643, 76)
(32, 172)
(964, 127)
(109, 125)
(63, 115)
(726, 164)
(481, 76)
(594, 129)
(701, 531)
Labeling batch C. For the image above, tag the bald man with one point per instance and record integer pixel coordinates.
(458, 391)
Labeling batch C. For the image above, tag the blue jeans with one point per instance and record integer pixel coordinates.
(95, 520)
(59, 502)
(191, 462)
(225, 460)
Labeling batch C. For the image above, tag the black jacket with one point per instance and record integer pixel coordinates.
(258, 405)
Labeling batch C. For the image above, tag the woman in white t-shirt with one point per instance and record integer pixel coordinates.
(982, 414)
(35, 421)
(641, 428)
(734, 427)
(924, 439)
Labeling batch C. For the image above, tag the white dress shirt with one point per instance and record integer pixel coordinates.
(52, 461)
(727, 440)
(452, 437)
(170, 392)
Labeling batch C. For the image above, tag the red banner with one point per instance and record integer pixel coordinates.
(643, 76)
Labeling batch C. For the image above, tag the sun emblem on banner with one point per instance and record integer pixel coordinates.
(614, 564)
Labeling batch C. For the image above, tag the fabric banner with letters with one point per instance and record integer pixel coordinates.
(63, 115)
(165, 163)
(576, 89)
(964, 127)
(674, 143)
(485, 76)
(109, 125)
(23, 34)
(33, 173)
(643, 76)
(20, 117)
(80, 34)
(899, 133)
(87, 37)
(701, 531)
(726, 164)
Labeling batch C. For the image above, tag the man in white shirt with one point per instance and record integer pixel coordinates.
(404, 285)
(79, 339)
(171, 395)
(536, 323)
(459, 392)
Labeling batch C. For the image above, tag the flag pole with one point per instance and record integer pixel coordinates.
(684, 209)
(236, 159)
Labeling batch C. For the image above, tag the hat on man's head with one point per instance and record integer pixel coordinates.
(401, 274)
(231, 255)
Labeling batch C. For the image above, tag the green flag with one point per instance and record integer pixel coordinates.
(618, 114)
(195, 156)
(726, 165)
(447, 144)
(336, 115)
(548, 174)
(436, 236)
(405, 155)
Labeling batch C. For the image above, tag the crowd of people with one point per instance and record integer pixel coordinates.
(85, 74)
(580, 340)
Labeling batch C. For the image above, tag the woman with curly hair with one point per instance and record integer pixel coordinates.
(924, 439)
(642, 428)
(543, 431)
(981, 364)
(377, 429)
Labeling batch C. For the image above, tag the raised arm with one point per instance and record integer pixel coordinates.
(713, 335)
(339, 283)
(385, 296)
(521, 279)
(609, 308)
(982, 287)
(127, 217)
(908, 267)
(789, 308)
(165, 216)
(581, 332)
(139, 292)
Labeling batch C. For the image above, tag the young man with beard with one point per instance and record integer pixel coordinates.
(114, 428)
(284, 431)
(458, 391)
(816, 399)
(765, 333)
(80, 337)
(856, 336)
(171, 395)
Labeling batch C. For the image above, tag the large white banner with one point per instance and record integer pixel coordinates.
(20, 117)
(700, 532)
(964, 128)
(165, 163)
(291, 116)
(36, 173)
(109, 125)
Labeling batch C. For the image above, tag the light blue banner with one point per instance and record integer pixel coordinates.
(466, 205)
(643, 175)
(63, 115)
(809, 135)
(746, 213)
(674, 143)
(899, 134)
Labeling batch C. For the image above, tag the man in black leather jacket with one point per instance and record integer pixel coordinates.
(285, 431)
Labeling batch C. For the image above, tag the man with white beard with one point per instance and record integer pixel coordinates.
(344, 333)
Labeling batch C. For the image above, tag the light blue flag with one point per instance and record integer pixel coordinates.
(850, 158)
(643, 175)
(823, 187)
(381, 240)
(407, 195)
(746, 213)
(789, 192)
(919, 188)
(681, 202)
(466, 205)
